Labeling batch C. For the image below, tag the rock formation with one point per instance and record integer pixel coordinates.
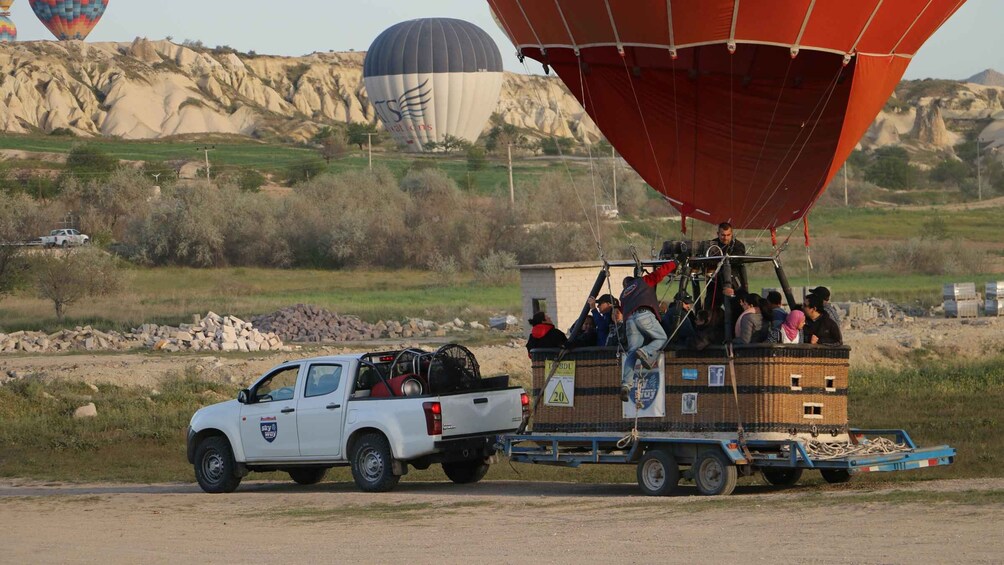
(155, 89)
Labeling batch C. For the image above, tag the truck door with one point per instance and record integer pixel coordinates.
(268, 422)
(319, 411)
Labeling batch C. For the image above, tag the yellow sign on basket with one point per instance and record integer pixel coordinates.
(560, 390)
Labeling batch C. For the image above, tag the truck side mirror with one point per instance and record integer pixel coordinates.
(243, 396)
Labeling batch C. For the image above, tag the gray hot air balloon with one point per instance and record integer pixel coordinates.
(433, 77)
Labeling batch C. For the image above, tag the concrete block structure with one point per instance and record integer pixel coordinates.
(561, 289)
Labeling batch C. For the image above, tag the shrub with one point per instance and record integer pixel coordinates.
(90, 162)
(304, 170)
(446, 268)
(498, 267)
(186, 226)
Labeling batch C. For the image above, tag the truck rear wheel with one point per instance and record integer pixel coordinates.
(835, 476)
(658, 473)
(307, 476)
(371, 464)
(466, 472)
(215, 468)
(714, 474)
(782, 477)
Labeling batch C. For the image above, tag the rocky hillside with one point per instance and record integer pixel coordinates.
(155, 89)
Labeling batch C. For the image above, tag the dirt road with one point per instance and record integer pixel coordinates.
(497, 522)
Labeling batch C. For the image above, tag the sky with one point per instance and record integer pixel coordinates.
(967, 44)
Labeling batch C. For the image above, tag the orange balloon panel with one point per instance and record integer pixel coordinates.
(5, 5)
(735, 111)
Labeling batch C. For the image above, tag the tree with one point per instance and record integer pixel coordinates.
(452, 143)
(89, 162)
(18, 219)
(304, 170)
(331, 148)
(891, 168)
(106, 203)
(950, 171)
(475, 158)
(358, 133)
(65, 277)
(503, 135)
(250, 180)
(556, 145)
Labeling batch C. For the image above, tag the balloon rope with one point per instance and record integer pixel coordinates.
(766, 138)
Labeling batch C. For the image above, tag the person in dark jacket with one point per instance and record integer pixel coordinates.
(680, 314)
(645, 335)
(820, 328)
(602, 310)
(729, 245)
(778, 314)
(587, 334)
(543, 333)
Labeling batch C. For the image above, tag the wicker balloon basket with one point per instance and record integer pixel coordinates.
(780, 391)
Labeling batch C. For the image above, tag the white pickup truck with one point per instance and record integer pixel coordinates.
(376, 412)
(64, 238)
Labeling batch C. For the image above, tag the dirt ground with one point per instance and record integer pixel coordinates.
(492, 522)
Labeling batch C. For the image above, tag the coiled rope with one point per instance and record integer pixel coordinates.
(822, 451)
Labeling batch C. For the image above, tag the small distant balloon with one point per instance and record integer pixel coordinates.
(8, 31)
(5, 6)
(69, 19)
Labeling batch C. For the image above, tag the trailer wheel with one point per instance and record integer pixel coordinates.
(658, 473)
(835, 476)
(714, 474)
(782, 477)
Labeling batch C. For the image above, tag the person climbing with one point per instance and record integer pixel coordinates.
(645, 336)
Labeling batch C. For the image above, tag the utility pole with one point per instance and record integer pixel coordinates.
(613, 156)
(207, 149)
(512, 191)
(979, 174)
(369, 144)
(845, 184)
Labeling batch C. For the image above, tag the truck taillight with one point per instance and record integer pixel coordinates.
(433, 418)
(525, 401)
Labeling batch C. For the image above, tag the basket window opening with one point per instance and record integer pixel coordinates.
(812, 410)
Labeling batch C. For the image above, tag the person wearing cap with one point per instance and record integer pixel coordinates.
(602, 310)
(679, 314)
(820, 328)
(645, 336)
(543, 333)
(831, 310)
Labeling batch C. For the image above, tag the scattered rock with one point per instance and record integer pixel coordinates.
(86, 411)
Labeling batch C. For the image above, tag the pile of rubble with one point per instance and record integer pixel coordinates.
(307, 323)
(211, 333)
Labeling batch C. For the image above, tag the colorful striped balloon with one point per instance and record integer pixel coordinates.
(8, 31)
(69, 19)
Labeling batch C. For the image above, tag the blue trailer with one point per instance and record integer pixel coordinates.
(716, 464)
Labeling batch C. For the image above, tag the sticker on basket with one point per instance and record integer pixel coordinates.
(716, 375)
(689, 405)
(690, 374)
(648, 393)
(560, 390)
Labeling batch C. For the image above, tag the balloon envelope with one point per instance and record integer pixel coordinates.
(433, 77)
(735, 111)
(5, 5)
(8, 31)
(69, 19)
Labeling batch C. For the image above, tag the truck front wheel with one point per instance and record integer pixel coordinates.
(215, 468)
(307, 476)
(466, 472)
(371, 464)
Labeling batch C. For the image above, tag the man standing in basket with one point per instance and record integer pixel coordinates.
(645, 336)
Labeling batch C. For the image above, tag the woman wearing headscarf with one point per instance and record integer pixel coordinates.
(791, 330)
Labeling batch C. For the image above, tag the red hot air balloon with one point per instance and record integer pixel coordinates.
(735, 110)
(69, 19)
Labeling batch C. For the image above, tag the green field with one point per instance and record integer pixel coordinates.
(234, 155)
(139, 436)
